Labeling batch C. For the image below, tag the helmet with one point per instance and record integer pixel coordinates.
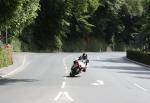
(83, 54)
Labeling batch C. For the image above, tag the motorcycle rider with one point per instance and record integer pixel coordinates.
(82, 64)
(84, 56)
(79, 65)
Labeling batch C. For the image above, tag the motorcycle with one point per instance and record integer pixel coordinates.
(79, 66)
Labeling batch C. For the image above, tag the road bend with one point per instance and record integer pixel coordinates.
(110, 78)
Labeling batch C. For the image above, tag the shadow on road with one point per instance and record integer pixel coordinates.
(72, 77)
(142, 77)
(4, 81)
(113, 60)
(130, 67)
(140, 71)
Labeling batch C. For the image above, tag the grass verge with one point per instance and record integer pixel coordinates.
(6, 57)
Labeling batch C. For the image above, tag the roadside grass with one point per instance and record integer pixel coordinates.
(5, 57)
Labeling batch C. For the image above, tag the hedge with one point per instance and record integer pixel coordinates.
(139, 56)
(6, 58)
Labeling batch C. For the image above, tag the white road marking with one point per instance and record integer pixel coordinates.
(66, 69)
(140, 87)
(67, 95)
(100, 82)
(95, 84)
(63, 85)
(66, 72)
(58, 96)
(17, 69)
(65, 78)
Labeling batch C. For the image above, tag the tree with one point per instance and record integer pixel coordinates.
(117, 20)
(80, 13)
(61, 20)
(144, 33)
(49, 25)
(107, 20)
(7, 11)
(17, 14)
(130, 14)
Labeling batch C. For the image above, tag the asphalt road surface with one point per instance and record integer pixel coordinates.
(43, 78)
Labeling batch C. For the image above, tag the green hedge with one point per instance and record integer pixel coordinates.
(139, 56)
(5, 57)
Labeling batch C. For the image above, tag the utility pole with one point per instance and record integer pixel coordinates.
(6, 35)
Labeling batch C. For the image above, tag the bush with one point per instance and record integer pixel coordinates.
(5, 57)
(16, 45)
(139, 56)
(81, 45)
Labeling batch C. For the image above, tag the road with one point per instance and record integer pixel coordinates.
(43, 78)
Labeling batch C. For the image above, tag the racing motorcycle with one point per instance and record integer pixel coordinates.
(79, 66)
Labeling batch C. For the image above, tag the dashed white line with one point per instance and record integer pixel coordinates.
(63, 85)
(95, 84)
(66, 72)
(58, 96)
(100, 82)
(66, 69)
(65, 78)
(68, 96)
(137, 85)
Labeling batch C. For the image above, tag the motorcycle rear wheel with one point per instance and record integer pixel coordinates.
(71, 74)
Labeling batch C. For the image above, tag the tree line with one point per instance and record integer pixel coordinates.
(75, 25)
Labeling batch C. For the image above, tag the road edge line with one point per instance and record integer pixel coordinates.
(17, 69)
